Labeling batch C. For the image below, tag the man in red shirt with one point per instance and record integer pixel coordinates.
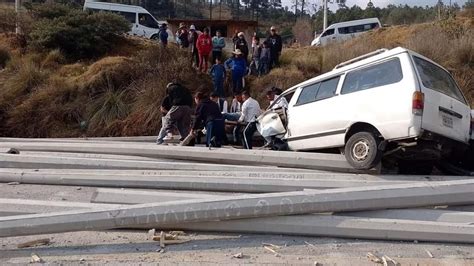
(204, 47)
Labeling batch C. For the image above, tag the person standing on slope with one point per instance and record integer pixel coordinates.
(204, 47)
(276, 45)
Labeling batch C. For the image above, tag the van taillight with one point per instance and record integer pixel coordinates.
(418, 103)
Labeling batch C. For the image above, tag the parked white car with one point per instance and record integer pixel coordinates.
(386, 102)
(345, 30)
(142, 22)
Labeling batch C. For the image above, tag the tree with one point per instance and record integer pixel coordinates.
(275, 4)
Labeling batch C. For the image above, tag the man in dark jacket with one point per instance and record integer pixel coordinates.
(276, 45)
(241, 44)
(180, 112)
(208, 116)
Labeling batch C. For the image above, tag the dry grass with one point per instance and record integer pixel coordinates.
(42, 95)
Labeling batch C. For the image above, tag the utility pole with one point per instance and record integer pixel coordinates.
(325, 12)
(17, 11)
(220, 9)
(210, 9)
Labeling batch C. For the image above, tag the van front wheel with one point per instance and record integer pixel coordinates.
(362, 152)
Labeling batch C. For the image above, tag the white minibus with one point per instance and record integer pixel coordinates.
(345, 30)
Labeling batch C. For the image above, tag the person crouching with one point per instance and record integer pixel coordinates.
(208, 116)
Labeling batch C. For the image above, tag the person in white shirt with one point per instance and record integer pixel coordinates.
(276, 102)
(250, 111)
(273, 95)
(234, 115)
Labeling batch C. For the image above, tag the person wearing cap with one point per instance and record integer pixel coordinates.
(218, 43)
(238, 66)
(204, 47)
(193, 36)
(182, 36)
(241, 44)
(276, 45)
(163, 34)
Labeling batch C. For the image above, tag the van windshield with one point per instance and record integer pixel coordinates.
(436, 78)
(147, 20)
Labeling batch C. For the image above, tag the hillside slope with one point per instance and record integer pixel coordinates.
(44, 95)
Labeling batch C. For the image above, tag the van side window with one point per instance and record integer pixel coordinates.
(319, 91)
(328, 32)
(327, 89)
(381, 74)
(130, 17)
(308, 94)
(357, 28)
(147, 21)
(435, 78)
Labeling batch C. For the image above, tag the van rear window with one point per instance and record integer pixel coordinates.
(377, 75)
(436, 78)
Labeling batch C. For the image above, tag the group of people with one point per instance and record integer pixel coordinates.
(263, 56)
(210, 114)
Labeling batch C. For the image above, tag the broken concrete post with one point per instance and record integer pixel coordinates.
(245, 206)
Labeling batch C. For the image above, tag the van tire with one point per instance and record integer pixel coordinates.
(362, 150)
(155, 37)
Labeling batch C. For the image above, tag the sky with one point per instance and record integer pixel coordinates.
(382, 3)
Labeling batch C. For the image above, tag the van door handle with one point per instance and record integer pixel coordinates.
(450, 112)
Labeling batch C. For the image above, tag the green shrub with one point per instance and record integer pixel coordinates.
(79, 34)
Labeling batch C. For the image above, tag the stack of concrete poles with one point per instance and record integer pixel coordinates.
(141, 185)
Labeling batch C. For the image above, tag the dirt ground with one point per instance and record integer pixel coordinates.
(126, 247)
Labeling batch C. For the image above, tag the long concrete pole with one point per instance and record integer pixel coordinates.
(245, 206)
(186, 182)
(331, 162)
(71, 162)
(340, 226)
(408, 224)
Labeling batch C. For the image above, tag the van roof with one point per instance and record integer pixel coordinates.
(362, 62)
(113, 6)
(353, 22)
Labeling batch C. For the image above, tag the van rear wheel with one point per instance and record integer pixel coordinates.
(362, 152)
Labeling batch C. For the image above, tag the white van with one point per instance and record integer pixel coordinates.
(393, 102)
(345, 30)
(142, 22)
